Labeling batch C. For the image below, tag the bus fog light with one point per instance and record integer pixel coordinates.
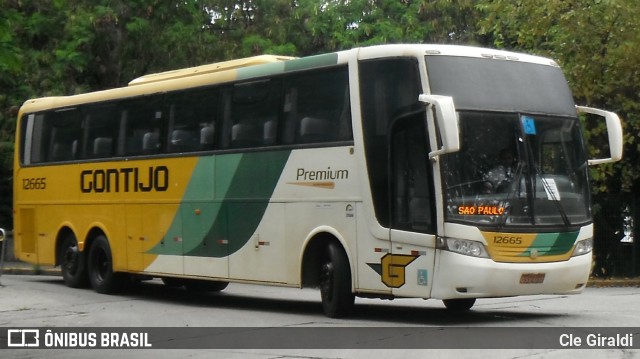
(466, 247)
(583, 247)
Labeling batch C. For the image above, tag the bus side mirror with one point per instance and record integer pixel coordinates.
(2, 235)
(446, 123)
(614, 132)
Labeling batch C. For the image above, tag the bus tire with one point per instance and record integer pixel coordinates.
(72, 263)
(201, 286)
(101, 275)
(459, 305)
(173, 282)
(335, 283)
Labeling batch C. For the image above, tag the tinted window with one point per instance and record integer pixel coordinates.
(192, 120)
(251, 114)
(142, 121)
(316, 107)
(413, 203)
(388, 89)
(299, 108)
(487, 84)
(56, 136)
(100, 129)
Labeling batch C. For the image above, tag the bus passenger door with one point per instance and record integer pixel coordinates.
(408, 269)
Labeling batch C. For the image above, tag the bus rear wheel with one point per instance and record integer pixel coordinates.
(101, 275)
(173, 282)
(72, 263)
(459, 305)
(335, 283)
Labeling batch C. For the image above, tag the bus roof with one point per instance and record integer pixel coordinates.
(417, 50)
(263, 65)
(209, 68)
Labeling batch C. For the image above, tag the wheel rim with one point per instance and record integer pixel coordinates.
(326, 281)
(71, 260)
(102, 265)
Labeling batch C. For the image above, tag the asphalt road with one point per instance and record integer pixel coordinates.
(44, 301)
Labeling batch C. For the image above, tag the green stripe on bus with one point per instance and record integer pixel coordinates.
(311, 62)
(260, 70)
(551, 244)
(289, 65)
(217, 226)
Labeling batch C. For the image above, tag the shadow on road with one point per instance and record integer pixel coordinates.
(375, 310)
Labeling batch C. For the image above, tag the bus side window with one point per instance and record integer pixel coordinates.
(100, 129)
(192, 120)
(144, 125)
(413, 201)
(251, 114)
(34, 140)
(64, 133)
(317, 107)
(387, 88)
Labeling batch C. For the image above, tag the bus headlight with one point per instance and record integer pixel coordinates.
(583, 247)
(463, 246)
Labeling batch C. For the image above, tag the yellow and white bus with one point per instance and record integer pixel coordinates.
(368, 172)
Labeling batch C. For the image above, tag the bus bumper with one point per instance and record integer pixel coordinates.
(460, 276)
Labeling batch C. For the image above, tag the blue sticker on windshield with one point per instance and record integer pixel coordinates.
(529, 125)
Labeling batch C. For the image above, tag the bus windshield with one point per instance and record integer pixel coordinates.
(522, 160)
(517, 170)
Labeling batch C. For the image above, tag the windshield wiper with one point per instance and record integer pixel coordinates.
(551, 192)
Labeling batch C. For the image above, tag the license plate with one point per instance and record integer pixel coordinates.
(532, 278)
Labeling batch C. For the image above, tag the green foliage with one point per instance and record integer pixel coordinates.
(599, 52)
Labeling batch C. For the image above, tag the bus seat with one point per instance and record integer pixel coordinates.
(314, 129)
(183, 140)
(243, 135)
(207, 137)
(270, 132)
(150, 142)
(61, 151)
(102, 146)
(74, 149)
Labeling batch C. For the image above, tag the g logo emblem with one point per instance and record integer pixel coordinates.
(393, 269)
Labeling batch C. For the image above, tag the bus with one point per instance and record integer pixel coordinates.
(364, 173)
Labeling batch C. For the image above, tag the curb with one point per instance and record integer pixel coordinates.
(613, 282)
(29, 269)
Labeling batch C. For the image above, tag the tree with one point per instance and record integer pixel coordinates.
(64, 47)
(598, 48)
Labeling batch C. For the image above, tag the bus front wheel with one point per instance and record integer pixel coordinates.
(459, 305)
(335, 283)
(72, 263)
(101, 274)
